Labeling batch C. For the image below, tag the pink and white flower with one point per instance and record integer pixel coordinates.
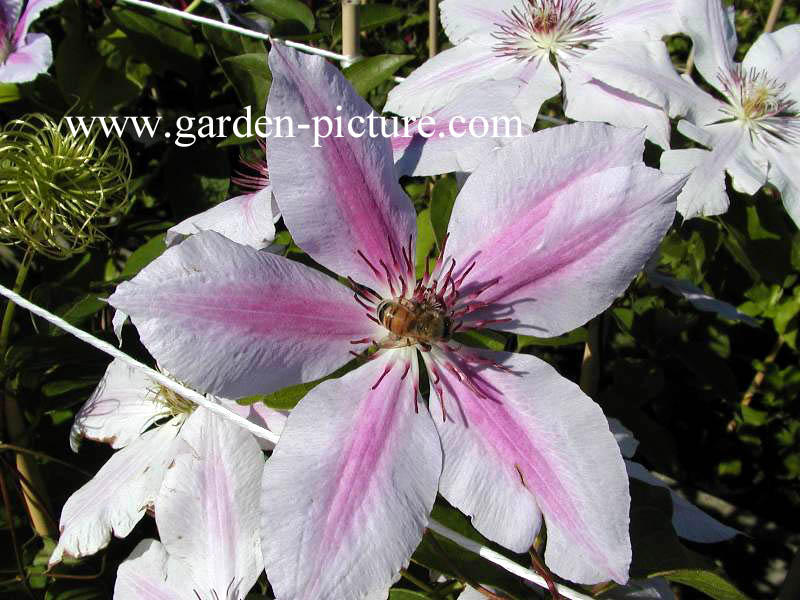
(753, 131)
(23, 55)
(207, 517)
(607, 53)
(144, 422)
(544, 235)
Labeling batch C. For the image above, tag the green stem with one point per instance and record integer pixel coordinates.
(416, 581)
(193, 6)
(8, 317)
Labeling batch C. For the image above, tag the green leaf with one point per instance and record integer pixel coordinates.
(161, 40)
(288, 397)
(367, 74)
(143, 256)
(440, 554)
(426, 241)
(371, 16)
(251, 78)
(707, 582)
(78, 311)
(228, 43)
(285, 10)
(577, 336)
(482, 339)
(443, 197)
(9, 92)
(406, 595)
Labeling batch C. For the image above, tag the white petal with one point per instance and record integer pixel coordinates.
(117, 497)
(121, 408)
(778, 53)
(347, 493)
(143, 575)
(207, 510)
(247, 220)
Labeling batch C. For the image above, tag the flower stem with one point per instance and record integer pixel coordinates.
(433, 28)
(416, 581)
(8, 316)
(191, 8)
(590, 368)
(34, 491)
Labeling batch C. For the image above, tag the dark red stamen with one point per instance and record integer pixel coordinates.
(371, 266)
(384, 374)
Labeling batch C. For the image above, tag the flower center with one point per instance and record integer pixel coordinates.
(426, 314)
(540, 27)
(760, 102)
(175, 404)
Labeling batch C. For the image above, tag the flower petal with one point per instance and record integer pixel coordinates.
(562, 221)
(9, 13)
(143, 575)
(347, 492)
(639, 19)
(117, 497)
(28, 60)
(704, 192)
(448, 75)
(514, 440)
(207, 510)
(349, 200)
(247, 220)
(33, 9)
(465, 19)
(119, 410)
(236, 322)
(627, 81)
(446, 144)
(778, 53)
(713, 33)
(785, 164)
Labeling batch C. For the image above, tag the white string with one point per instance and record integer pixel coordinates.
(201, 400)
(246, 32)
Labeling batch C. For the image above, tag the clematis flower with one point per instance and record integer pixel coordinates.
(606, 52)
(753, 130)
(544, 235)
(23, 55)
(122, 412)
(207, 517)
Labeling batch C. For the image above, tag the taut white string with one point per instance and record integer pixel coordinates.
(201, 400)
(244, 31)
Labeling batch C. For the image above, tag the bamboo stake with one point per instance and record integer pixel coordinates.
(433, 28)
(774, 13)
(351, 40)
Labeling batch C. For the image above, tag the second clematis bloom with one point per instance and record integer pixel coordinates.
(753, 131)
(544, 235)
(607, 53)
(23, 55)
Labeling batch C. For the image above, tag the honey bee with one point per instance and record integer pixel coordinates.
(419, 321)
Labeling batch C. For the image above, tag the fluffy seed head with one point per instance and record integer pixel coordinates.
(58, 190)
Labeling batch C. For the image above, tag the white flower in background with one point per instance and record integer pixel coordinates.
(122, 412)
(208, 520)
(689, 522)
(752, 131)
(607, 53)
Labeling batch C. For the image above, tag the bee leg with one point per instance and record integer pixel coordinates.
(393, 341)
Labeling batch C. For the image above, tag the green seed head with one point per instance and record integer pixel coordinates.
(58, 190)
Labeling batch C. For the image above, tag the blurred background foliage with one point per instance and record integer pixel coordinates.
(714, 402)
